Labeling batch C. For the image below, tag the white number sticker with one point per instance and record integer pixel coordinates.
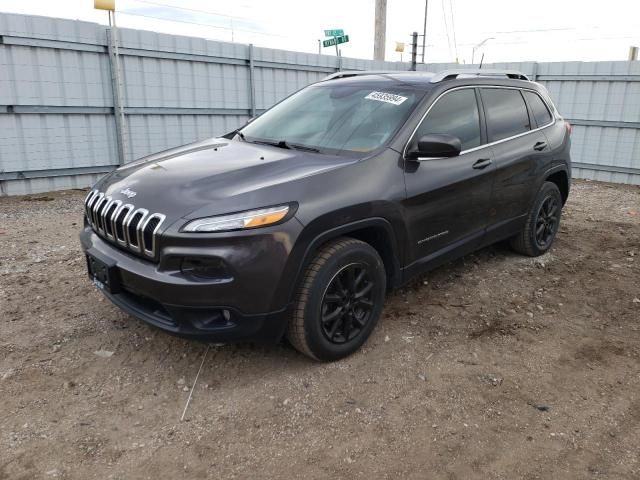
(386, 97)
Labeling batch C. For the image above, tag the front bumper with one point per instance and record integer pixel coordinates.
(214, 324)
(240, 304)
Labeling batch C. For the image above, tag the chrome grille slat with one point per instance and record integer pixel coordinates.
(93, 197)
(109, 211)
(161, 218)
(103, 208)
(126, 209)
(132, 228)
(87, 203)
(135, 223)
(94, 210)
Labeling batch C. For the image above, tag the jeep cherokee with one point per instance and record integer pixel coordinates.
(297, 223)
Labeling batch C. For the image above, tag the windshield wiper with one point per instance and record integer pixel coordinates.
(288, 146)
(280, 144)
(304, 148)
(233, 133)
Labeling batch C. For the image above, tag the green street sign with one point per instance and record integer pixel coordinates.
(338, 32)
(335, 41)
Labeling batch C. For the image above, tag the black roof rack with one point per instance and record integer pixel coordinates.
(465, 73)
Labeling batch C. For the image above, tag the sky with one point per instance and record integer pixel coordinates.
(514, 30)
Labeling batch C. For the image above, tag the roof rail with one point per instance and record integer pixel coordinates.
(357, 73)
(474, 72)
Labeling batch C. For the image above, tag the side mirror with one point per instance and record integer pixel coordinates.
(436, 145)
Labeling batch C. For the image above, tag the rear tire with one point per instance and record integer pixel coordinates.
(543, 222)
(339, 300)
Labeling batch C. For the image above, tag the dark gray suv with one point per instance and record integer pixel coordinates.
(298, 223)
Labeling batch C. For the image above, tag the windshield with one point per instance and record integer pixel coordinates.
(335, 117)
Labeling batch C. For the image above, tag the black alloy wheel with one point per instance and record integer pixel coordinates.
(547, 221)
(347, 303)
(339, 300)
(542, 223)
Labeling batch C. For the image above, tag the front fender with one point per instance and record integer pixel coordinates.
(324, 229)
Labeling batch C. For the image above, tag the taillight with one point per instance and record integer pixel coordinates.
(569, 127)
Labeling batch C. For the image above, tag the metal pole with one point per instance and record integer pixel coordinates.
(424, 30)
(380, 30)
(252, 84)
(319, 47)
(633, 54)
(114, 61)
(414, 50)
(336, 40)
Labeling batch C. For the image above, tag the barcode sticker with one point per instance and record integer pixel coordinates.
(386, 97)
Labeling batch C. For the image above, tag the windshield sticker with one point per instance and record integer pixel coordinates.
(386, 97)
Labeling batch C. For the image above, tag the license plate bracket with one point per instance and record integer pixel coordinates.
(103, 273)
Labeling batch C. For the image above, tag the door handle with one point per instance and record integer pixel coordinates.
(540, 146)
(482, 163)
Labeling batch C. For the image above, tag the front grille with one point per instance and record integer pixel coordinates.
(132, 228)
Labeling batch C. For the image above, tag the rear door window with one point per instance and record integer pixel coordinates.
(538, 108)
(456, 113)
(506, 113)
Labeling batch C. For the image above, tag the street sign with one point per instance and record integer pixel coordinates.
(338, 32)
(335, 41)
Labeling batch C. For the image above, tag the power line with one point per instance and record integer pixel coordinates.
(124, 12)
(158, 4)
(453, 29)
(588, 39)
(446, 26)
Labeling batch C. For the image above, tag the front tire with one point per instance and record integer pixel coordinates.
(339, 300)
(543, 222)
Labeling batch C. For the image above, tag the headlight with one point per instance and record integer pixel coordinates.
(238, 221)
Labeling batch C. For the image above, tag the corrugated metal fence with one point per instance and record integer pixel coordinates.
(58, 129)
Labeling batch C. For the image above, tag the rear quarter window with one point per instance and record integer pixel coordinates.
(505, 111)
(538, 108)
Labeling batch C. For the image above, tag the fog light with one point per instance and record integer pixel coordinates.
(209, 320)
(205, 267)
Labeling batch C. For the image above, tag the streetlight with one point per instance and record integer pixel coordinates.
(473, 51)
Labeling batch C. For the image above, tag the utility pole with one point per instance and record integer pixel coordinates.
(414, 50)
(380, 30)
(424, 30)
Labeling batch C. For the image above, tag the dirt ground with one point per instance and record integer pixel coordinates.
(496, 366)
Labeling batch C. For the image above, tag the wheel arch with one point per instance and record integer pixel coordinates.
(376, 231)
(560, 177)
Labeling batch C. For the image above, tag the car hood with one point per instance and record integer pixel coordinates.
(219, 174)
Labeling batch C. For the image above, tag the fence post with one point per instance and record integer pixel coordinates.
(116, 87)
(252, 83)
(534, 74)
